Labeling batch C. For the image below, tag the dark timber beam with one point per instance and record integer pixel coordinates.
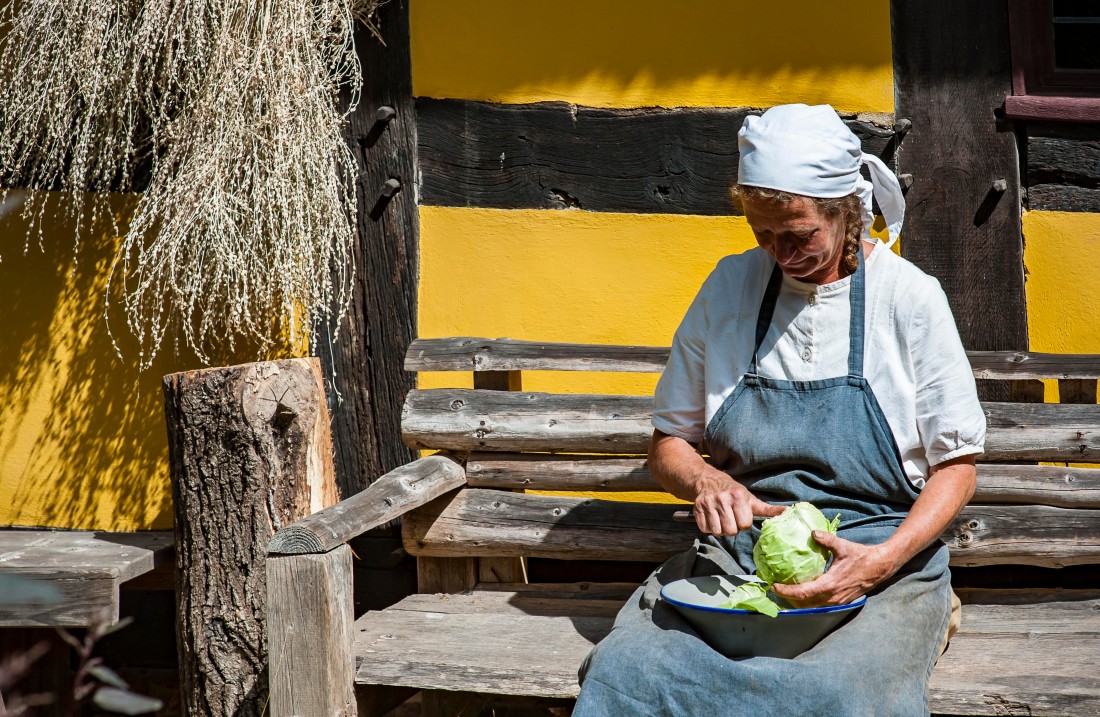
(364, 365)
(552, 155)
(952, 73)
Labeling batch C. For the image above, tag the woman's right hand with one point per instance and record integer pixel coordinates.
(725, 507)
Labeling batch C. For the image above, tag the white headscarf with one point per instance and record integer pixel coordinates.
(810, 151)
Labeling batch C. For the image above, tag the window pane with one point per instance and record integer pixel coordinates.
(1077, 46)
(1066, 9)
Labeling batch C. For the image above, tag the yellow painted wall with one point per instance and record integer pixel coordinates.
(644, 53)
(1062, 260)
(82, 434)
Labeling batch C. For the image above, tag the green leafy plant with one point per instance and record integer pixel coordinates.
(786, 552)
(752, 596)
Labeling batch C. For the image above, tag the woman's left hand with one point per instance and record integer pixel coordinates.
(855, 570)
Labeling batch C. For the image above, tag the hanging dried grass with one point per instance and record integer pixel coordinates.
(247, 219)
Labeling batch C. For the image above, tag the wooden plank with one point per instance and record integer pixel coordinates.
(1077, 390)
(498, 420)
(129, 554)
(997, 665)
(997, 483)
(558, 156)
(467, 353)
(497, 523)
(84, 598)
(1063, 198)
(1063, 166)
(1027, 364)
(472, 420)
(507, 602)
(363, 356)
(310, 634)
(86, 569)
(387, 498)
(492, 653)
(951, 81)
(1042, 432)
(453, 574)
(1020, 674)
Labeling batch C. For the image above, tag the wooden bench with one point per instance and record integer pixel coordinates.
(69, 579)
(480, 634)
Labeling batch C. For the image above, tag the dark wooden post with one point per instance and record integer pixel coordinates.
(365, 364)
(952, 72)
(250, 452)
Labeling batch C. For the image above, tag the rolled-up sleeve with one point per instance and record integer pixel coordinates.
(949, 416)
(679, 403)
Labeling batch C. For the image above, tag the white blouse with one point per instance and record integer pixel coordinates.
(913, 357)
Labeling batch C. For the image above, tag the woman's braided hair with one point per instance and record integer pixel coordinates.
(847, 208)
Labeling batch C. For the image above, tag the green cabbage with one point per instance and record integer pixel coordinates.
(786, 552)
(752, 596)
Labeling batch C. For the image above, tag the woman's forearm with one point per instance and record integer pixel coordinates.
(949, 487)
(679, 468)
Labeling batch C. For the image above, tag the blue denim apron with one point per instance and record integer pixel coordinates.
(827, 442)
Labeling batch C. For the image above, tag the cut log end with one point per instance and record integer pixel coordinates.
(295, 540)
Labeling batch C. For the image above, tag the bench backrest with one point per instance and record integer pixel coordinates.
(1023, 513)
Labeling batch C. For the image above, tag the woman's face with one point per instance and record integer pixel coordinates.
(806, 244)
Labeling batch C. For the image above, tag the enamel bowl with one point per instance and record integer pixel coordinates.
(743, 633)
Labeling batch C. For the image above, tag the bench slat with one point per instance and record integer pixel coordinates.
(468, 353)
(479, 420)
(1002, 661)
(86, 568)
(997, 483)
(497, 523)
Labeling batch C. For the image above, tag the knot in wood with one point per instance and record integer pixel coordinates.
(552, 423)
(1070, 479)
(964, 539)
(974, 524)
(556, 511)
(480, 433)
(457, 404)
(1018, 358)
(496, 503)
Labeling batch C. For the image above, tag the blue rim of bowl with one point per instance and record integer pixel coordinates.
(858, 602)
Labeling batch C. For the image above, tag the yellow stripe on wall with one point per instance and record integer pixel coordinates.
(1062, 259)
(650, 53)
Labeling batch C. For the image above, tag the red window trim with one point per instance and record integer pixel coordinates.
(1039, 92)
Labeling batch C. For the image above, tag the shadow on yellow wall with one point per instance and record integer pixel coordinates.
(655, 53)
(82, 433)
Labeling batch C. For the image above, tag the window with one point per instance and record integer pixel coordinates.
(1055, 60)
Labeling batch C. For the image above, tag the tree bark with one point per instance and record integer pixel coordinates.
(250, 453)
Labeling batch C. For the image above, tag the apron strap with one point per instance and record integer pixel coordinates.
(855, 329)
(767, 308)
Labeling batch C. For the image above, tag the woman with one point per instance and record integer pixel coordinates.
(820, 367)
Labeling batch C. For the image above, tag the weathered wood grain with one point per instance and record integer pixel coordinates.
(1063, 198)
(81, 597)
(472, 420)
(557, 156)
(499, 420)
(387, 498)
(997, 483)
(362, 358)
(496, 523)
(493, 653)
(445, 574)
(127, 554)
(310, 632)
(249, 452)
(961, 226)
(518, 602)
(468, 353)
(997, 664)
(1017, 674)
(1063, 166)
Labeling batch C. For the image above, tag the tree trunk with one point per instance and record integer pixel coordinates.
(250, 452)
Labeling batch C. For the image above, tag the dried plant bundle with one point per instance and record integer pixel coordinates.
(226, 115)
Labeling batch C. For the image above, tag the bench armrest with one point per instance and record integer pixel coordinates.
(392, 495)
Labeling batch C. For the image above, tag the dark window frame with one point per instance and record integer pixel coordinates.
(1040, 91)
